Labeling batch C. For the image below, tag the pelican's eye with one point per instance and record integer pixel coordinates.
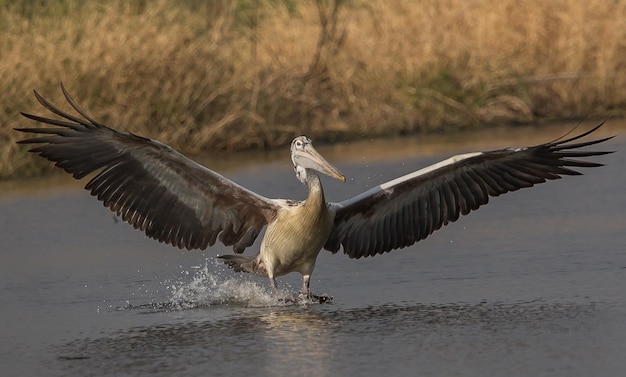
(299, 144)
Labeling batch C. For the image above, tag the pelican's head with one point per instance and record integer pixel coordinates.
(304, 156)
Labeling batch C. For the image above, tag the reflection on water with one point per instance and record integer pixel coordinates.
(297, 338)
(316, 340)
(256, 341)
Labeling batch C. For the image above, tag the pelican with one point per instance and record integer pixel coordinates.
(180, 202)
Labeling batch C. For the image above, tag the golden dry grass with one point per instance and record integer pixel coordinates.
(238, 74)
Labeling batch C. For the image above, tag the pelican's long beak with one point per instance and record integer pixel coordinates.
(311, 159)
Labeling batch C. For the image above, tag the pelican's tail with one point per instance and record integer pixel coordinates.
(241, 263)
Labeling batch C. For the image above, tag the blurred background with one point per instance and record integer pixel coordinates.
(228, 75)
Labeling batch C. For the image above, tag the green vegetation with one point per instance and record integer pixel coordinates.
(238, 74)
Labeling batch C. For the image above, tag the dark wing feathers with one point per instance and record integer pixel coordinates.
(401, 212)
(150, 185)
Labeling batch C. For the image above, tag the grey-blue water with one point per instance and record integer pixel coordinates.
(533, 284)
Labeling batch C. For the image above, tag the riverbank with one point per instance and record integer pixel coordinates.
(240, 74)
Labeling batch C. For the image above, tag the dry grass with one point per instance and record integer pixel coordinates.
(238, 74)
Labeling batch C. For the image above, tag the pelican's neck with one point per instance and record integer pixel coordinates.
(316, 192)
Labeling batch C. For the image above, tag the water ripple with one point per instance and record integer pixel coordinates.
(272, 339)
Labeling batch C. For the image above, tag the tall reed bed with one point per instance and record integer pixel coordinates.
(238, 74)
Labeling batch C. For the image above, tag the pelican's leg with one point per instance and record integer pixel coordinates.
(273, 284)
(306, 290)
(268, 266)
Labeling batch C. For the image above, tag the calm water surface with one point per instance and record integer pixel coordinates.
(531, 285)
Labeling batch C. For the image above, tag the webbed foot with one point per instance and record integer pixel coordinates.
(305, 298)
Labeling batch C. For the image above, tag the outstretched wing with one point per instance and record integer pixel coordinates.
(403, 211)
(150, 185)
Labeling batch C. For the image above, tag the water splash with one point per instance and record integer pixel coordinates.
(211, 284)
